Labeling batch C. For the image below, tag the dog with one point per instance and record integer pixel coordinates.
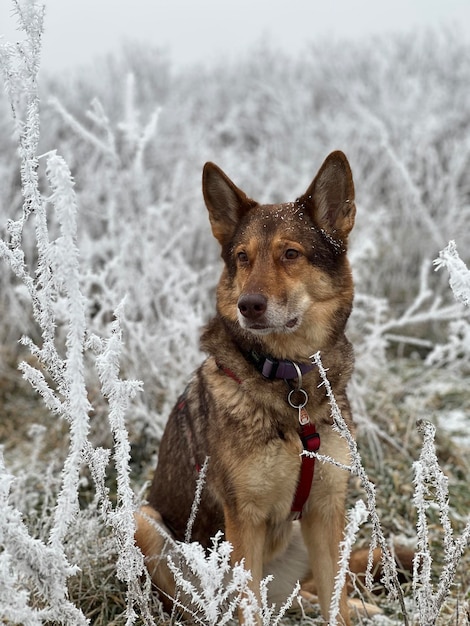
(256, 402)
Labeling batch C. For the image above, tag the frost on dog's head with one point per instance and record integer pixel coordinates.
(329, 200)
(286, 279)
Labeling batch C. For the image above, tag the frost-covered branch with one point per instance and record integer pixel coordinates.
(459, 274)
(356, 518)
(425, 308)
(108, 149)
(201, 481)
(62, 261)
(120, 393)
(455, 352)
(390, 575)
(431, 487)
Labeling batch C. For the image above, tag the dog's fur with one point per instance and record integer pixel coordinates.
(286, 291)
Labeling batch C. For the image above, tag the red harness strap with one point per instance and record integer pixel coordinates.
(229, 373)
(311, 443)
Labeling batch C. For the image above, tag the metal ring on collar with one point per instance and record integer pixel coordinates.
(301, 404)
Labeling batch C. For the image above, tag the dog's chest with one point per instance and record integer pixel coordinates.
(254, 418)
(261, 471)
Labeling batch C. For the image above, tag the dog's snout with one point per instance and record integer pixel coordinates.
(253, 305)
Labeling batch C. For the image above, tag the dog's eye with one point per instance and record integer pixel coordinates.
(242, 257)
(291, 254)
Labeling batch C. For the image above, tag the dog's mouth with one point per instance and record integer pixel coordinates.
(265, 329)
(292, 323)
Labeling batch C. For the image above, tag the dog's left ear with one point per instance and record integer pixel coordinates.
(225, 202)
(330, 197)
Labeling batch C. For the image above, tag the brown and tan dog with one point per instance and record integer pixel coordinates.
(286, 292)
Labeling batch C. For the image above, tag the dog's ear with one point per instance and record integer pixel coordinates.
(330, 197)
(225, 202)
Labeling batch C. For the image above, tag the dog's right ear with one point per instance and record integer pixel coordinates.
(225, 202)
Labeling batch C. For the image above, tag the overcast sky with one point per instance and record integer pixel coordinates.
(190, 30)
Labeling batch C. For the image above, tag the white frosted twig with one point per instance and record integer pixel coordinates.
(62, 259)
(119, 393)
(82, 131)
(357, 517)
(211, 587)
(325, 458)
(416, 313)
(201, 481)
(390, 575)
(459, 274)
(286, 606)
(38, 382)
(429, 476)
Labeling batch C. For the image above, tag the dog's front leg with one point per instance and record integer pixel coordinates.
(247, 538)
(323, 531)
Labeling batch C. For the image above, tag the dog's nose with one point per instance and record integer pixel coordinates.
(252, 305)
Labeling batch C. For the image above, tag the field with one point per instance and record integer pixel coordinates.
(108, 273)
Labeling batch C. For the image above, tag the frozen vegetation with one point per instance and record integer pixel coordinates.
(108, 273)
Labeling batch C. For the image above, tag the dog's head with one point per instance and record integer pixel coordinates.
(286, 279)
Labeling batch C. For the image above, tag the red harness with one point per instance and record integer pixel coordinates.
(310, 442)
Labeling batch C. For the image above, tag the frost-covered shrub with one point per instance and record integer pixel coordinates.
(38, 568)
(268, 120)
(135, 136)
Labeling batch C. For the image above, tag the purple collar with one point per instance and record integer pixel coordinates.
(272, 368)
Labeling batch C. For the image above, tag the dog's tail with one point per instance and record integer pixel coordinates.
(403, 560)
